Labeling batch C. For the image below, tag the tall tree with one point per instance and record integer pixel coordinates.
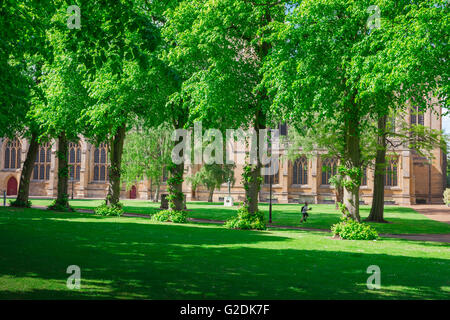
(219, 47)
(30, 129)
(212, 176)
(59, 112)
(377, 209)
(331, 61)
(117, 44)
(146, 154)
(325, 137)
(393, 133)
(22, 50)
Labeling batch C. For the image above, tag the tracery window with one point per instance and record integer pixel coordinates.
(41, 170)
(74, 161)
(391, 179)
(364, 177)
(300, 171)
(101, 163)
(272, 178)
(329, 169)
(12, 154)
(416, 116)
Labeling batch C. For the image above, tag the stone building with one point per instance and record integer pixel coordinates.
(410, 179)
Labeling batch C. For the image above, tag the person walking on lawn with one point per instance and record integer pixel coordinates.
(305, 212)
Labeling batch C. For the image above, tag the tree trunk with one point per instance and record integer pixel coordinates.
(152, 197)
(339, 196)
(353, 152)
(176, 171)
(377, 210)
(211, 194)
(252, 179)
(175, 182)
(351, 201)
(116, 150)
(157, 190)
(27, 170)
(252, 187)
(62, 198)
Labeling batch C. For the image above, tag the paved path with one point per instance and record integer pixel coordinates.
(438, 212)
(418, 237)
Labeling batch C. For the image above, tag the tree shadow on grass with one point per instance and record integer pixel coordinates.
(246, 273)
(138, 259)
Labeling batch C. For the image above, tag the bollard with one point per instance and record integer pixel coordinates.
(4, 198)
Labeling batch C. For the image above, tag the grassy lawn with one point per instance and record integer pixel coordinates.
(322, 216)
(137, 258)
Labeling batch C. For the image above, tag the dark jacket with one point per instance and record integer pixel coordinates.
(305, 210)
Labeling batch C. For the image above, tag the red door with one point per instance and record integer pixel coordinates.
(133, 192)
(11, 189)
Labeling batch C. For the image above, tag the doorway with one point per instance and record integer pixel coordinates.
(133, 192)
(11, 188)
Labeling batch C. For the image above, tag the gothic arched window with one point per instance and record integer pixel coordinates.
(42, 163)
(329, 169)
(300, 171)
(74, 161)
(271, 178)
(12, 154)
(391, 179)
(101, 163)
(364, 177)
(416, 116)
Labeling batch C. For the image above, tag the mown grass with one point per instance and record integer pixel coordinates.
(137, 258)
(402, 220)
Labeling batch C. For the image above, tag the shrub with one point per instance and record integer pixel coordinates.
(447, 196)
(20, 204)
(105, 210)
(170, 216)
(59, 207)
(246, 221)
(162, 216)
(353, 230)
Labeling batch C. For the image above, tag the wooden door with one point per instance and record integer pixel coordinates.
(11, 189)
(133, 192)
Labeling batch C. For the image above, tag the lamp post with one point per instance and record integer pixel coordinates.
(270, 199)
(269, 149)
(71, 175)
